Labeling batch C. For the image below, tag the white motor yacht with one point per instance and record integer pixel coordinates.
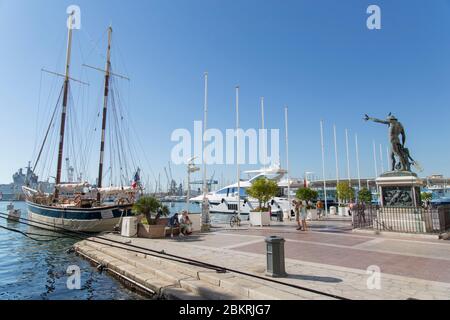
(226, 199)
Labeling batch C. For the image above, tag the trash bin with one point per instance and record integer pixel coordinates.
(333, 211)
(276, 267)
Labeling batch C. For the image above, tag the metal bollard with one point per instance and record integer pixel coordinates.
(280, 216)
(275, 257)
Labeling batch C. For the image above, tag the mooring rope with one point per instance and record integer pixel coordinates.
(162, 254)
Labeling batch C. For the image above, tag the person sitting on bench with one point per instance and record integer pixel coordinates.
(185, 224)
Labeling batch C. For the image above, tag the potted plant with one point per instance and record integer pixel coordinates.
(308, 195)
(426, 197)
(151, 211)
(346, 194)
(263, 190)
(365, 196)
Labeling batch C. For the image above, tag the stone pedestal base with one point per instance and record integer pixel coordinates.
(399, 189)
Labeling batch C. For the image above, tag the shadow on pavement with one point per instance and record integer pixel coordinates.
(315, 278)
(191, 238)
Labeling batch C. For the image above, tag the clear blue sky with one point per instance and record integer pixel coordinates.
(317, 57)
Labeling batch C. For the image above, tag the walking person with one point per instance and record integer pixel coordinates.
(297, 206)
(319, 207)
(304, 215)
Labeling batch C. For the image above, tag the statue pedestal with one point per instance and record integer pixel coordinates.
(399, 189)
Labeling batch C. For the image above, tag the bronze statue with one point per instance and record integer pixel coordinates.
(398, 149)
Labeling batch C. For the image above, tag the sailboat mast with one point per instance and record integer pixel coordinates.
(64, 105)
(105, 111)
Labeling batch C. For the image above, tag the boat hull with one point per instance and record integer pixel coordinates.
(230, 206)
(76, 219)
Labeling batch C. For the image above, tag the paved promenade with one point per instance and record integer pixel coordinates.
(329, 258)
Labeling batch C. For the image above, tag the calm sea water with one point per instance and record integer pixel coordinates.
(37, 270)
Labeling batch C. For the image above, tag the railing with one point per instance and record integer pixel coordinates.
(402, 219)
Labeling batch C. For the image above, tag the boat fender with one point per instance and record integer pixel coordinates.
(70, 250)
(101, 268)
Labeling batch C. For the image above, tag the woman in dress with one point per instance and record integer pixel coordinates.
(304, 215)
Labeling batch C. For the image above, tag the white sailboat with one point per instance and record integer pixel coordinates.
(82, 206)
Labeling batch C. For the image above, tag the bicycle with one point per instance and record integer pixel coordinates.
(235, 221)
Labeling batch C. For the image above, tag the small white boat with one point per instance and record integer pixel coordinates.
(13, 214)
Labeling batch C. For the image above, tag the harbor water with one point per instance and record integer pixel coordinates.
(35, 267)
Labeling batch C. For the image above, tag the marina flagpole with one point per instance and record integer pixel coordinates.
(375, 159)
(348, 158)
(323, 167)
(357, 161)
(238, 173)
(264, 136)
(287, 159)
(387, 158)
(336, 157)
(381, 158)
(205, 203)
(336, 154)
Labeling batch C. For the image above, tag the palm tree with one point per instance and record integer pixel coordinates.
(151, 208)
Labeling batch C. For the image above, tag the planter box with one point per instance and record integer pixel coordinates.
(129, 227)
(343, 211)
(260, 219)
(151, 232)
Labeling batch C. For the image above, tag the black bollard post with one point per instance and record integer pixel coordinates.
(275, 257)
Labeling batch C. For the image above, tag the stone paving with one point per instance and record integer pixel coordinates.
(329, 258)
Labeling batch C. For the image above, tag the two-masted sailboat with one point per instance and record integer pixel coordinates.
(82, 206)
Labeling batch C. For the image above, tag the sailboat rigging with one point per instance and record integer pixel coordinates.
(82, 206)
